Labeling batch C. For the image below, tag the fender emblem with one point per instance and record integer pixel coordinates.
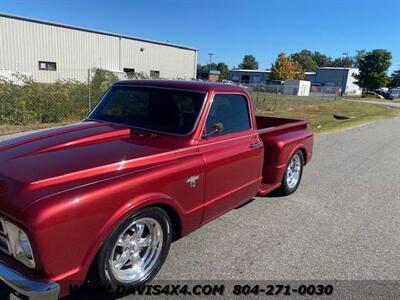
(191, 181)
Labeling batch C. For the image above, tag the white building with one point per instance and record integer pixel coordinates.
(51, 51)
(339, 77)
(296, 87)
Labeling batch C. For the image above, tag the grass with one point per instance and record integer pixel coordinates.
(321, 115)
(272, 102)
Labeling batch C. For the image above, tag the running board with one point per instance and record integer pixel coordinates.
(266, 188)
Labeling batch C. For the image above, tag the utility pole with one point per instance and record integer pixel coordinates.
(344, 80)
(209, 65)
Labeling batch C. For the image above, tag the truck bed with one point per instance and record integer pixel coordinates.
(270, 124)
(281, 137)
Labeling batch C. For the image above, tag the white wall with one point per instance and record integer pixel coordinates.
(296, 87)
(351, 87)
(24, 43)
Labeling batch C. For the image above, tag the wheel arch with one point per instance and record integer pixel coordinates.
(161, 201)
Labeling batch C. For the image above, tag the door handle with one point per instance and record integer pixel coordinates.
(256, 144)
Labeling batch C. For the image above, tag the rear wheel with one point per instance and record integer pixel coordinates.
(293, 173)
(136, 251)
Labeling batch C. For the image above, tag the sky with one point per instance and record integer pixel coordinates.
(234, 28)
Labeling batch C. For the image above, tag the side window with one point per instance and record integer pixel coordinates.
(228, 114)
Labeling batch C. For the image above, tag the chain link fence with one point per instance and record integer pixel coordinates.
(47, 101)
(275, 97)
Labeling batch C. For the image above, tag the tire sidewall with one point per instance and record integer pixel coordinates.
(285, 188)
(107, 278)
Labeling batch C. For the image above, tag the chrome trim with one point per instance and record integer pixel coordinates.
(7, 243)
(3, 229)
(249, 108)
(35, 290)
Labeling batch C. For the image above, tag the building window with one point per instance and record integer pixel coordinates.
(129, 70)
(47, 65)
(154, 74)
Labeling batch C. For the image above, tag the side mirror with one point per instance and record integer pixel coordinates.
(217, 128)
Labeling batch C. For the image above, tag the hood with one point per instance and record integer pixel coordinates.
(78, 152)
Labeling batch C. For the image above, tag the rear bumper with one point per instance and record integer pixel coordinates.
(25, 288)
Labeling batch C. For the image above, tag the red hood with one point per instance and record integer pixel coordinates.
(76, 153)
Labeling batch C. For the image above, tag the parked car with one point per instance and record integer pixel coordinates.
(225, 81)
(374, 94)
(383, 93)
(395, 93)
(154, 161)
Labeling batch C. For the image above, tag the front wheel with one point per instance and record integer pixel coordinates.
(293, 173)
(135, 252)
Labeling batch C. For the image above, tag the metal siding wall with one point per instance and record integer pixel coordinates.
(172, 62)
(24, 44)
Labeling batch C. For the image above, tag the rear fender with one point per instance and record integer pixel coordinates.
(279, 149)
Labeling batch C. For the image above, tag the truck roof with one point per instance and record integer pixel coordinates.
(184, 84)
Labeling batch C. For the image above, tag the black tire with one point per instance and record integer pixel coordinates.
(101, 271)
(286, 189)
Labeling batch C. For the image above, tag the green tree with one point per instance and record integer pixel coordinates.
(395, 79)
(357, 58)
(322, 60)
(224, 69)
(100, 82)
(305, 59)
(200, 67)
(249, 63)
(344, 62)
(286, 69)
(373, 67)
(221, 66)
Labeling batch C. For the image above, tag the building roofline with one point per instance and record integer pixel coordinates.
(336, 68)
(11, 16)
(248, 70)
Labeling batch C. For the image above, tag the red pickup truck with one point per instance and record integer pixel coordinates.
(155, 160)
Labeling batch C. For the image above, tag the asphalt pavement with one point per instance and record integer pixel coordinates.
(390, 104)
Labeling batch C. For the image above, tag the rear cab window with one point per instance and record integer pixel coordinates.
(228, 114)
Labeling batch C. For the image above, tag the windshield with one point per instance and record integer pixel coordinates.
(156, 109)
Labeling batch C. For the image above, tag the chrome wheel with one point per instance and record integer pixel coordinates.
(293, 171)
(136, 250)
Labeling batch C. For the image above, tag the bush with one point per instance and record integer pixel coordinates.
(99, 84)
(24, 101)
(33, 102)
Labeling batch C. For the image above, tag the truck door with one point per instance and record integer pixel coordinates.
(233, 155)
